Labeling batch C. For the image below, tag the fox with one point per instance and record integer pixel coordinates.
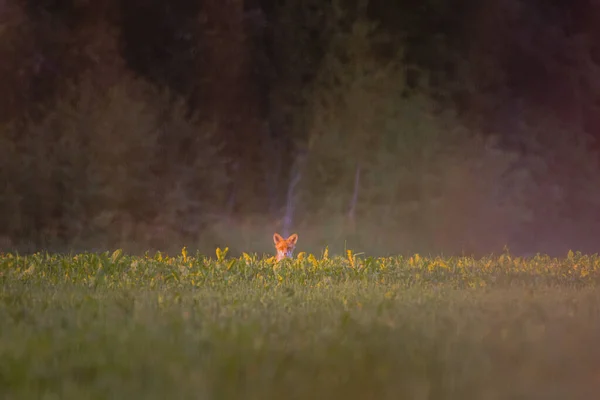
(285, 247)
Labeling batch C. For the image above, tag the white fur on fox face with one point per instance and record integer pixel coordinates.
(284, 254)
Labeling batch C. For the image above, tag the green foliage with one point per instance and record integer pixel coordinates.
(118, 270)
(98, 325)
(425, 181)
(387, 113)
(85, 175)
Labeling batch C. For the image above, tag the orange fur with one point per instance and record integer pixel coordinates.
(285, 247)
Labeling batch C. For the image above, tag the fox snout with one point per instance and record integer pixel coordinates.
(285, 247)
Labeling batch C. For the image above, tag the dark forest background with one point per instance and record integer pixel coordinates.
(457, 126)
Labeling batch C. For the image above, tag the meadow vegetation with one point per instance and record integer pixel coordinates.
(112, 325)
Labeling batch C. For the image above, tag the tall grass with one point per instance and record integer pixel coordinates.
(113, 325)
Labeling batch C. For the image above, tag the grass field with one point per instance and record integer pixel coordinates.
(96, 326)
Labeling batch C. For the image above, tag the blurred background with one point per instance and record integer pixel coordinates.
(386, 127)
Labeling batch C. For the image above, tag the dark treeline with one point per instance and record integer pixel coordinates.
(380, 126)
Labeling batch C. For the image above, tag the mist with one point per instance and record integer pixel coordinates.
(435, 128)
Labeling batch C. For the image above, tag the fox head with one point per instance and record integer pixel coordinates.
(285, 247)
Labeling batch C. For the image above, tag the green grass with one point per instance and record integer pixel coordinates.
(95, 326)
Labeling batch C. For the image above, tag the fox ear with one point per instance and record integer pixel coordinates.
(277, 238)
(293, 239)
